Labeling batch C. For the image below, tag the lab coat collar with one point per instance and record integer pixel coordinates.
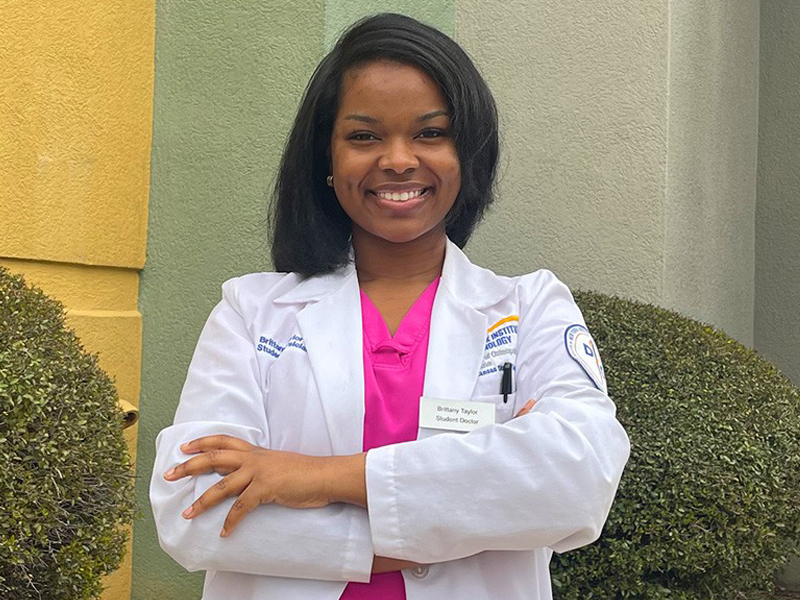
(470, 284)
(317, 287)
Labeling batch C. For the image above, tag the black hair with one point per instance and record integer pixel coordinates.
(310, 231)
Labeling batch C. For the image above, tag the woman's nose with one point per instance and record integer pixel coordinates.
(399, 157)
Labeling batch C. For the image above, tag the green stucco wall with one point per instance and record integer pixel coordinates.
(630, 134)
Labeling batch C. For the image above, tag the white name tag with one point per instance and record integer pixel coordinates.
(454, 415)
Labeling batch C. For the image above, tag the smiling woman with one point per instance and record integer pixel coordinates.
(315, 452)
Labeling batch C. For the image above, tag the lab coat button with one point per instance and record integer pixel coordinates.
(420, 572)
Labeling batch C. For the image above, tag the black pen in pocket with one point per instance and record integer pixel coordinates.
(506, 385)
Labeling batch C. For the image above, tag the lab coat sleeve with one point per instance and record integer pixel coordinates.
(546, 479)
(222, 395)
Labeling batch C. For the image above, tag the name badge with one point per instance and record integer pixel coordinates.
(454, 415)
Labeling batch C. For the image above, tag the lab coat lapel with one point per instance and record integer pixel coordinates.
(459, 324)
(458, 329)
(455, 349)
(331, 328)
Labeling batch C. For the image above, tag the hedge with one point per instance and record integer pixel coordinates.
(66, 482)
(709, 503)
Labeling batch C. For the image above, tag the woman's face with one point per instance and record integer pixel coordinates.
(395, 167)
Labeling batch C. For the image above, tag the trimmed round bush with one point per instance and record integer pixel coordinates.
(66, 482)
(709, 504)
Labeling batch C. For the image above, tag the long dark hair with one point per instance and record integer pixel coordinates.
(310, 231)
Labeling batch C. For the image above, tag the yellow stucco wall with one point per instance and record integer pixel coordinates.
(75, 132)
(76, 116)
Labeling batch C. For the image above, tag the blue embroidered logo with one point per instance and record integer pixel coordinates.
(269, 346)
(273, 348)
(296, 342)
(500, 346)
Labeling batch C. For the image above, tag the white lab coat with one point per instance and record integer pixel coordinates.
(279, 364)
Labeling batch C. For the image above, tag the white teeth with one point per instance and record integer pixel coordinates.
(400, 196)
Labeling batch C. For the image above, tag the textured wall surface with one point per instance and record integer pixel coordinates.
(75, 123)
(777, 326)
(711, 183)
(630, 138)
(339, 14)
(581, 89)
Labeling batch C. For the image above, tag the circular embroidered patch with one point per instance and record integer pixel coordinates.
(582, 348)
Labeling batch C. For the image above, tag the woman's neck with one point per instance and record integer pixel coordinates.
(379, 260)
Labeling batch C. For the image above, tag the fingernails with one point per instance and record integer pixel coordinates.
(170, 473)
(223, 533)
(187, 513)
(185, 446)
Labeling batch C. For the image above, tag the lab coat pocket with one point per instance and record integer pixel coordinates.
(504, 411)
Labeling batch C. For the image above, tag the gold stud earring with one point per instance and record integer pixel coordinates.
(329, 180)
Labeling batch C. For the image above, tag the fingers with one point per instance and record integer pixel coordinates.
(225, 442)
(211, 445)
(221, 461)
(526, 409)
(246, 502)
(228, 486)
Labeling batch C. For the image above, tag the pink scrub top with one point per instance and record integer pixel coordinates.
(394, 375)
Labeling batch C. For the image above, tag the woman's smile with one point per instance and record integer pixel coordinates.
(401, 203)
(402, 196)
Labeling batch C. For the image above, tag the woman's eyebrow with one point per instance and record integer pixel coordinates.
(431, 115)
(373, 120)
(363, 118)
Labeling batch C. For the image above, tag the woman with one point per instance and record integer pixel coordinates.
(345, 429)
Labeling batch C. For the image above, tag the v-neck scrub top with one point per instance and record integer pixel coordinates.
(394, 376)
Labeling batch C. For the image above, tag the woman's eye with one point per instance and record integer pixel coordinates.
(432, 133)
(362, 136)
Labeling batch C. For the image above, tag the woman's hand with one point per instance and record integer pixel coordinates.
(256, 475)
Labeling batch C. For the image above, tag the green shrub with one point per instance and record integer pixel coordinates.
(66, 484)
(709, 504)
